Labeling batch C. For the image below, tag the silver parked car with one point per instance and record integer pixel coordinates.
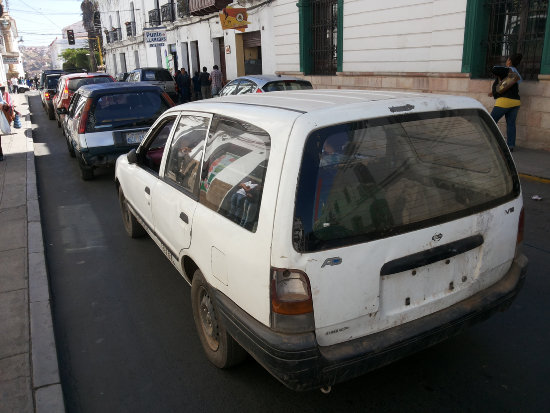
(157, 76)
(264, 83)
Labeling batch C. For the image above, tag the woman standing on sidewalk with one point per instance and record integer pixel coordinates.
(507, 103)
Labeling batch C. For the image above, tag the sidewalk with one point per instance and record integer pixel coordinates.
(29, 376)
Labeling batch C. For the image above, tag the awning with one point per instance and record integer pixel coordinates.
(203, 7)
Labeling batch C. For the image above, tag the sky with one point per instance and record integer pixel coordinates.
(39, 22)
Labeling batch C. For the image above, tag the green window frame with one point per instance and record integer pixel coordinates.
(475, 44)
(306, 36)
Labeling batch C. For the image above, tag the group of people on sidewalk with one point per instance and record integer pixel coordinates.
(202, 85)
(7, 115)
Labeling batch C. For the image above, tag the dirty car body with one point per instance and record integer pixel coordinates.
(383, 223)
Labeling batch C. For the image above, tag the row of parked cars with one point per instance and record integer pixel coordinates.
(324, 232)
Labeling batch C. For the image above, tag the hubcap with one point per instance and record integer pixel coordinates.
(208, 320)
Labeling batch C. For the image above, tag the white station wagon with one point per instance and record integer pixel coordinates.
(329, 232)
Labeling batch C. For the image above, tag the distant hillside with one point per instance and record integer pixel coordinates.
(35, 59)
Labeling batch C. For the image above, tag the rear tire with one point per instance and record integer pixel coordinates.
(221, 349)
(86, 172)
(131, 225)
(51, 115)
(70, 148)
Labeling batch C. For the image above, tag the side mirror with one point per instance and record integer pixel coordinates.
(132, 156)
(61, 111)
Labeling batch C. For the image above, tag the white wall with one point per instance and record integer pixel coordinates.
(286, 34)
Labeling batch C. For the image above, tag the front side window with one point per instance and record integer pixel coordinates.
(233, 172)
(380, 177)
(184, 159)
(150, 153)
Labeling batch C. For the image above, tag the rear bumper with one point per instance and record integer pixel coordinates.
(301, 364)
(104, 155)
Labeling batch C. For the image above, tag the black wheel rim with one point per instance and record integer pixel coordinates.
(208, 320)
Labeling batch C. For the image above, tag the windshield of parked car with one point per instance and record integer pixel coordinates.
(74, 84)
(287, 85)
(157, 75)
(125, 110)
(380, 177)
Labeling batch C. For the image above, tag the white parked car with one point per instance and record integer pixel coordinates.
(329, 232)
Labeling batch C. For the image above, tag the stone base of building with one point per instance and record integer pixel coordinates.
(533, 122)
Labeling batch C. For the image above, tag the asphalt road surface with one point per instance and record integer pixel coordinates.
(127, 343)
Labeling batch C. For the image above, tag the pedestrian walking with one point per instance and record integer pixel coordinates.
(505, 90)
(197, 86)
(205, 83)
(4, 123)
(216, 80)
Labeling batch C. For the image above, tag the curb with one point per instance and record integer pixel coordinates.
(46, 384)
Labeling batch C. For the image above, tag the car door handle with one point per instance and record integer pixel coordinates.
(147, 190)
(184, 218)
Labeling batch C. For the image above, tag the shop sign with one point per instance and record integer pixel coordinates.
(234, 18)
(10, 60)
(155, 37)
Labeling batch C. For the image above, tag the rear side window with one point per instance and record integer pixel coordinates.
(74, 84)
(118, 110)
(287, 85)
(380, 177)
(245, 86)
(233, 171)
(157, 75)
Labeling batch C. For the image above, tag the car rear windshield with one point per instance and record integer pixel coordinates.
(74, 84)
(157, 75)
(380, 177)
(287, 85)
(125, 110)
(52, 82)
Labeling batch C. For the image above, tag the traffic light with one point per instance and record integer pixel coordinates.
(70, 36)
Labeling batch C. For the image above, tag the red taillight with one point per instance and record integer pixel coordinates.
(65, 94)
(259, 90)
(84, 116)
(521, 225)
(290, 292)
(47, 96)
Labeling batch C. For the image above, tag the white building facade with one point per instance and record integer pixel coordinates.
(439, 46)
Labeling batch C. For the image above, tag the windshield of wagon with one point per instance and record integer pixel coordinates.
(379, 177)
(125, 109)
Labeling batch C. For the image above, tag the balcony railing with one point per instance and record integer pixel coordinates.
(154, 17)
(115, 35)
(130, 29)
(167, 12)
(183, 8)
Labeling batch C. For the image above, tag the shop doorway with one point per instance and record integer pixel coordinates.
(174, 58)
(252, 48)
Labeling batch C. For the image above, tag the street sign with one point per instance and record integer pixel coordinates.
(155, 37)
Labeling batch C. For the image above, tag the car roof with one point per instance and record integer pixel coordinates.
(319, 100)
(117, 87)
(84, 74)
(270, 78)
(150, 68)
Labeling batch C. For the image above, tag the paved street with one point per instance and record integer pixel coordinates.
(126, 340)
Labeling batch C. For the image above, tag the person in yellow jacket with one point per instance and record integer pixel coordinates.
(507, 103)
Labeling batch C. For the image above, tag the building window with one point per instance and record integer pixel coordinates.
(496, 29)
(324, 28)
(321, 45)
(517, 27)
